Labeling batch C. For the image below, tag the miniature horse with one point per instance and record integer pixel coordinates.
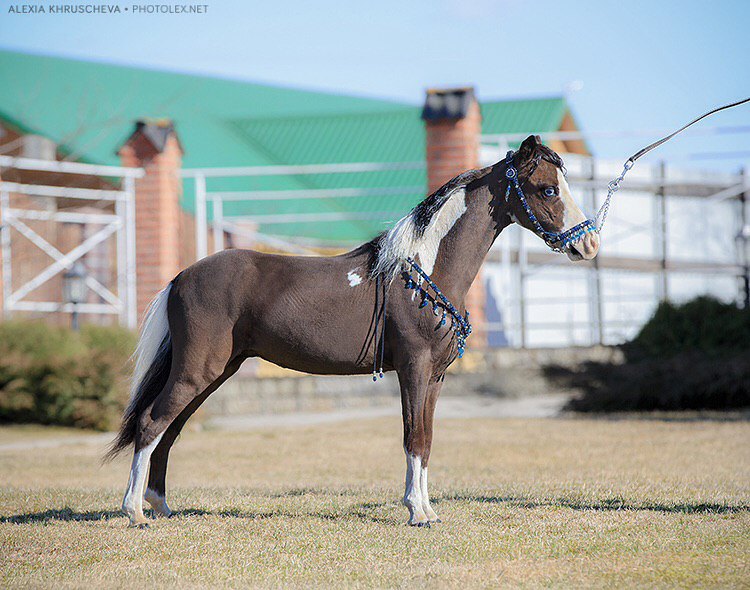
(322, 315)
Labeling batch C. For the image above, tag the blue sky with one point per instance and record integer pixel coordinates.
(643, 65)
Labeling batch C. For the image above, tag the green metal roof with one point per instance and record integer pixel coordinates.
(89, 109)
(521, 116)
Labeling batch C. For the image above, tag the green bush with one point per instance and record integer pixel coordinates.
(694, 356)
(686, 381)
(702, 325)
(53, 375)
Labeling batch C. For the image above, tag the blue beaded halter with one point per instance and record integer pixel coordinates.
(441, 306)
(558, 242)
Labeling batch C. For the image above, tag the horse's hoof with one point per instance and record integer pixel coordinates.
(158, 513)
(139, 525)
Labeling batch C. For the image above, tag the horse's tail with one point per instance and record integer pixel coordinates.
(153, 361)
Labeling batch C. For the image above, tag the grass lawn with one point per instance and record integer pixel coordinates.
(533, 503)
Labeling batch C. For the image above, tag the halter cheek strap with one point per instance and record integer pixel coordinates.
(557, 241)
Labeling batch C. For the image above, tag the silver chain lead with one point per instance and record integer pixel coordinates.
(612, 187)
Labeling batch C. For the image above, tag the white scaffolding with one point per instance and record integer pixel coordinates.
(644, 243)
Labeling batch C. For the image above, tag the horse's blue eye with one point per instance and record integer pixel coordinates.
(550, 191)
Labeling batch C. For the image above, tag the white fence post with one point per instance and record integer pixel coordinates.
(131, 298)
(201, 225)
(218, 207)
(5, 245)
(122, 259)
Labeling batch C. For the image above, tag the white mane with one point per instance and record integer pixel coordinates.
(404, 240)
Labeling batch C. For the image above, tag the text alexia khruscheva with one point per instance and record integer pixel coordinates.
(107, 9)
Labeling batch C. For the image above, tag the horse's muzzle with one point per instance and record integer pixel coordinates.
(584, 249)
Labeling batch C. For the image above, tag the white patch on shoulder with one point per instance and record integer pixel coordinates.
(572, 214)
(402, 241)
(354, 278)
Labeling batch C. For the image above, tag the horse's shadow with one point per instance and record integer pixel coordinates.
(372, 511)
(605, 505)
(62, 515)
(360, 512)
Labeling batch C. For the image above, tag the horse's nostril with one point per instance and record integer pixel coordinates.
(575, 252)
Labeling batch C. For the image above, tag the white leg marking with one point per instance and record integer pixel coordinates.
(132, 503)
(158, 502)
(354, 278)
(429, 512)
(413, 491)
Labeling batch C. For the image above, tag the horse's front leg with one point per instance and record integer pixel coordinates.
(433, 392)
(414, 379)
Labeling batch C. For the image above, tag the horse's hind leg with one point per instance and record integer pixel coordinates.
(156, 492)
(153, 425)
(132, 503)
(194, 369)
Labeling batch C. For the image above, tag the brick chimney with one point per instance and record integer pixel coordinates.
(454, 123)
(154, 146)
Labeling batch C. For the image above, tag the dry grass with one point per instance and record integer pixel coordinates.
(534, 503)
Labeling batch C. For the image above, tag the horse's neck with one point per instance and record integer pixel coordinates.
(464, 249)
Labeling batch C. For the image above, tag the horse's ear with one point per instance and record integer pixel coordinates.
(528, 146)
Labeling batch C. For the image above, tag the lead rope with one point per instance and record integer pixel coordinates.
(382, 330)
(614, 185)
(378, 314)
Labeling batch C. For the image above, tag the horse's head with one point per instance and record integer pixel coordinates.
(541, 178)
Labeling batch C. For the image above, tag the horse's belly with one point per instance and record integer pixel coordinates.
(338, 344)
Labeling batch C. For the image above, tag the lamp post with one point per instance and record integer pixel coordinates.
(742, 240)
(74, 289)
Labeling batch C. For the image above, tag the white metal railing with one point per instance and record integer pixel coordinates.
(70, 167)
(220, 223)
(503, 140)
(120, 224)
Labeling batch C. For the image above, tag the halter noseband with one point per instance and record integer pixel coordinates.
(557, 242)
